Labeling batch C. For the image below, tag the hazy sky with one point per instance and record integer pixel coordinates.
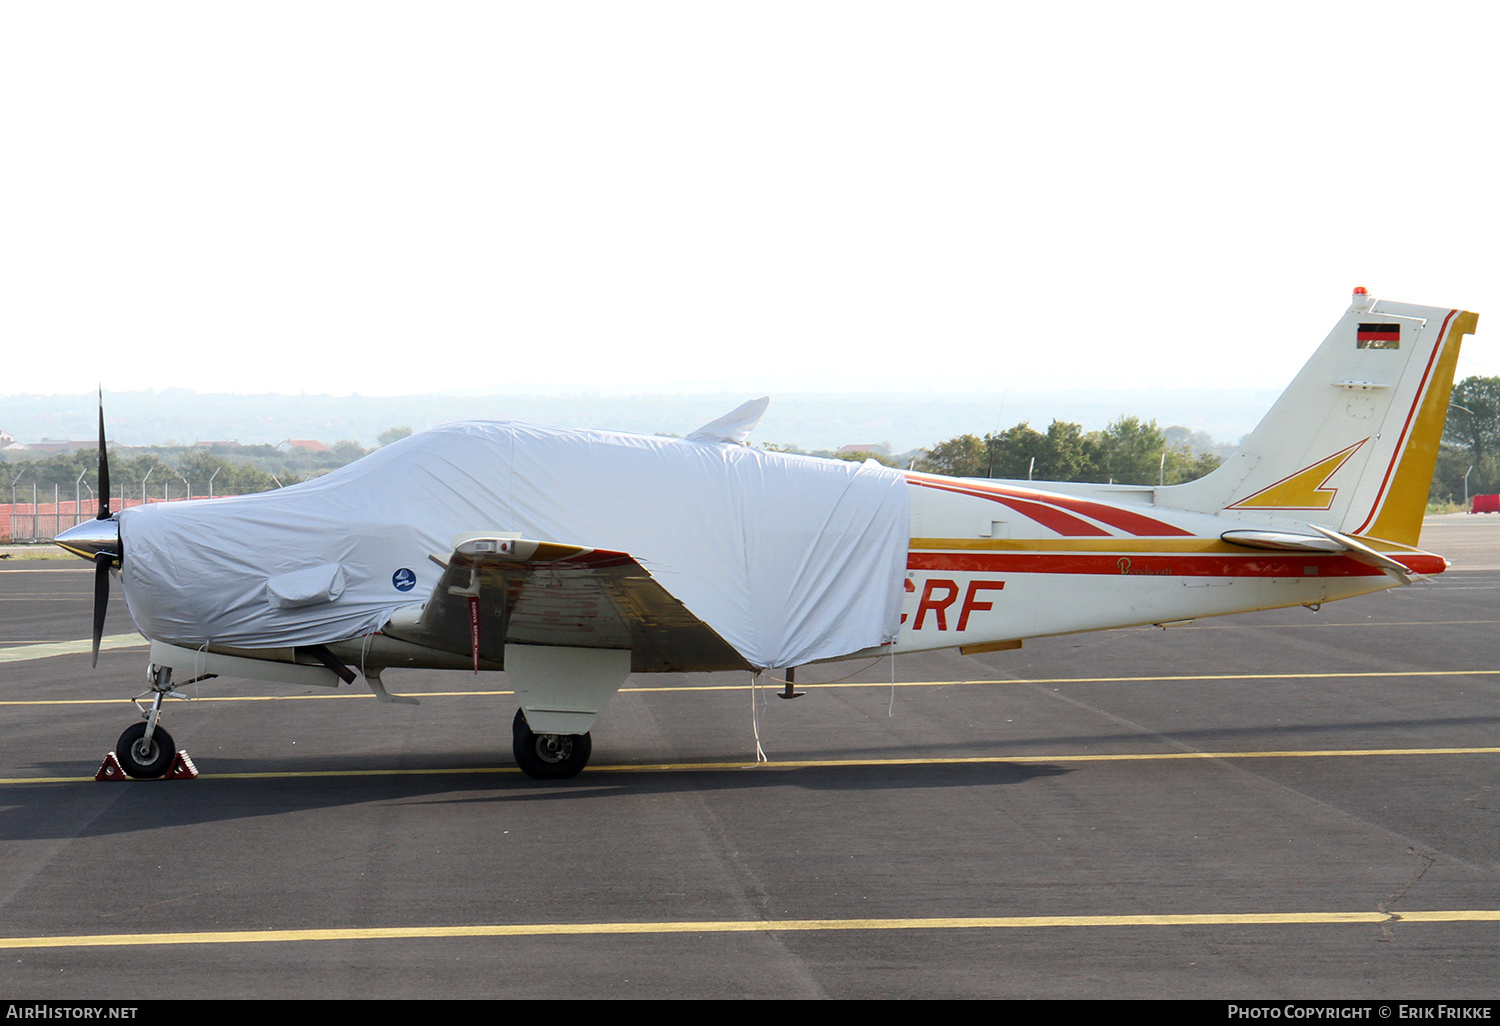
(389, 198)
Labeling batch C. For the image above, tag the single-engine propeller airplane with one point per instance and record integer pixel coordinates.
(572, 559)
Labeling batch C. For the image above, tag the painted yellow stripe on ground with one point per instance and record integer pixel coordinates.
(345, 696)
(310, 774)
(802, 764)
(1088, 680)
(20, 642)
(48, 569)
(1482, 915)
(21, 653)
(1018, 759)
(43, 596)
(1226, 676)
(1326, 626)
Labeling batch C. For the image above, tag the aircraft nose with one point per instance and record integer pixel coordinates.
(92, 538)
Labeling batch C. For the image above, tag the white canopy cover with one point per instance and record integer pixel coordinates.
(789, 558)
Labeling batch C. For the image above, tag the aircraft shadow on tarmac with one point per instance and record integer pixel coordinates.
(48, 811)
(52, 810)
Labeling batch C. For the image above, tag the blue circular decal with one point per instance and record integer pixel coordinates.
(404, 579)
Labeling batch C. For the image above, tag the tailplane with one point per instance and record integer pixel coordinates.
(1352, 443)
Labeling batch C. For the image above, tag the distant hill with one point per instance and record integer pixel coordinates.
(810, 421)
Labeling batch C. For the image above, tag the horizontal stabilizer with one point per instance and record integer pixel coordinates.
(1283, 541)
(1358, 550)
(1324, 541)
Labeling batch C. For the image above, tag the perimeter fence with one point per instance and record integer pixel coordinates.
(22, 523)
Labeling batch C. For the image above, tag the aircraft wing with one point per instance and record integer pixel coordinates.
(497, 591)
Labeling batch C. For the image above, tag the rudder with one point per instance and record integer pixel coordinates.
(1353, 441)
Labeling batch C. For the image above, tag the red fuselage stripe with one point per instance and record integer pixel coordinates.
(1055, 519)
(1126, 520)
(1150, 565)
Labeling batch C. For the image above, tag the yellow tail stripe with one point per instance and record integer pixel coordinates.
(1400, 516)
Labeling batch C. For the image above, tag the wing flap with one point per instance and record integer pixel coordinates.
(500, 589)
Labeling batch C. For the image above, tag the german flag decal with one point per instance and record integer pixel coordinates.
(1378, 336)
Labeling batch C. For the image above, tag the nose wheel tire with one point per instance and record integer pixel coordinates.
(549, 756)
(145, 760)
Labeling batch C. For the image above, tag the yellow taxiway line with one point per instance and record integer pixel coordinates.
(1482, 915)
(804, 764)
(685, 688)
(1094, 680)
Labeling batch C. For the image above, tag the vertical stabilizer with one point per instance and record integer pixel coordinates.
(1352, 443)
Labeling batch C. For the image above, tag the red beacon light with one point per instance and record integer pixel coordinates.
(1360, 290)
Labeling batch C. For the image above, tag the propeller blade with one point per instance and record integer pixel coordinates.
(101, 599)
(104, 513)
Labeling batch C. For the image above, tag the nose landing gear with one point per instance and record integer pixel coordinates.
(142, 757)
(145, 750)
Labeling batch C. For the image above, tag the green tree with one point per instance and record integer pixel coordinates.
(1067, 454)
(961, 456)
(1183, 465)
(129, 475)
(393, 434)
(1128, 451)
(859, 456)
(199, 466)
(1061, 454)
(1471, 438)
(347, 451)
(1011, 451)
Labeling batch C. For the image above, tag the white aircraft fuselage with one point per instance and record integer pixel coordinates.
(572, 559)
(994, 562)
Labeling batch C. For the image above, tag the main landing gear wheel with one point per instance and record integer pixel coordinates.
(145, 760)
(549, 756)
